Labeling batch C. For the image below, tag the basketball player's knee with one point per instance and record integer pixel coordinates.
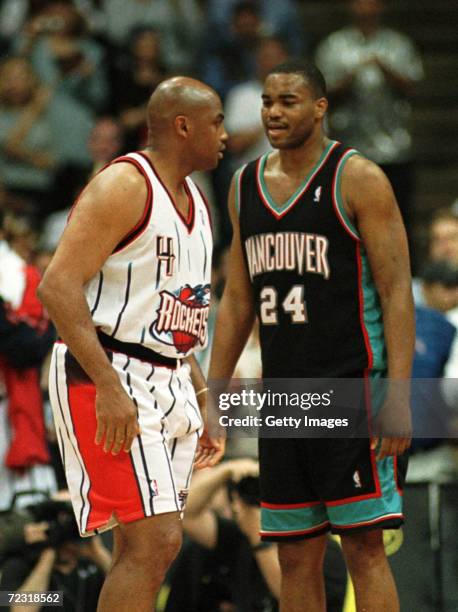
(363, 551)
(295, 557)
(154, 553)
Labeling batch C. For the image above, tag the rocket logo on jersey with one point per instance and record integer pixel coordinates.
(182, 317)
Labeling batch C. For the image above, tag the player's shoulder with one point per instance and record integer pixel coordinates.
(362, 172)
(122, 176)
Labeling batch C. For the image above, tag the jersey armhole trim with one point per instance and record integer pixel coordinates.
(238, 189)
(142, 224)
(337, 199)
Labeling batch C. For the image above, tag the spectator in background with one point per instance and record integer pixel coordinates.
(27, 149)
(38, 130)
(229, 58)
(444, 235)
(247, 139)
(104, 144)
(279, 19)
(179, 22)
(63, 56)
(136, 74)
(25, 338)
(443, 244)
(371, 72)
(434, 338)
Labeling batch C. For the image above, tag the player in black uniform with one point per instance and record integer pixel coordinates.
(320, 255)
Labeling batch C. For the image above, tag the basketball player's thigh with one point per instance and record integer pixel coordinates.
(290, 509)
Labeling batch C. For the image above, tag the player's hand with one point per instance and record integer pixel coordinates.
(210, 450)
(393, 426)
(212, 442)
(117, 424)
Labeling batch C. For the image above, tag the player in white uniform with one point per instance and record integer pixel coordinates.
(128, 290)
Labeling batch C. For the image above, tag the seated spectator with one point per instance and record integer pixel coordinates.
(136, 75)
(444, 235)
(63, 56)
(443, 244)
(434, 338)
(38, 130)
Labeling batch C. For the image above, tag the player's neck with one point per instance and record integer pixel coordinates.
(169, 169)
(293, 161)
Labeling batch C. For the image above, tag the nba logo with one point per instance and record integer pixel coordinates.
(357, 480)
(154, 488)
(317, 196)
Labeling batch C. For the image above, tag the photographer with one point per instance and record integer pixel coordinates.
(44, 552)
(224, 565)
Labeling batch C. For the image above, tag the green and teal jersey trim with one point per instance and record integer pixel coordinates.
(371, 311)
(281, 209)
(337, 196)
(372, 317)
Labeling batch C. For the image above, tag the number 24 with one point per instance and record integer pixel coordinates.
(293, 304)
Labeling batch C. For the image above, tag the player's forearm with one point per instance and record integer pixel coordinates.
(38, 580)
(267, 561)
(204, 487)
(233, 326)
(197, 377)
(68, 309)
(399, 325)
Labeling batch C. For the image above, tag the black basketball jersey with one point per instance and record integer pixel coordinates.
(317, 305)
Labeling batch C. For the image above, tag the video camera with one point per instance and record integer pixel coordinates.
(58, 514)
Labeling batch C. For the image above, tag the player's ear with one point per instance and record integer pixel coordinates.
(182, 126)
(321, 106)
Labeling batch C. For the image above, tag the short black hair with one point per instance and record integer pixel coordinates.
(309, 72)
(440, 272)
(247, 489)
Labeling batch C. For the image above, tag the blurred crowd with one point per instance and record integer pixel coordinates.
(75, 77)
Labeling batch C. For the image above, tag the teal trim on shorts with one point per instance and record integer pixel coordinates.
(367, 511)
(290, 522)
(293, 521)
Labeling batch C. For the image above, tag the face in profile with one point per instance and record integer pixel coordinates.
(208, 137)
(290, 111)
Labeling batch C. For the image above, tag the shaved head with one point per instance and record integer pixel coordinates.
(174, 97)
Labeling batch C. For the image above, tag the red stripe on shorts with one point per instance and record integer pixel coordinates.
(113, 483)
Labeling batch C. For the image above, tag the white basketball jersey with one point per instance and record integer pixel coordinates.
(154, 289)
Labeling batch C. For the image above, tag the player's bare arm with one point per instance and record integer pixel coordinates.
(99, 221)
(372, 206)
(236, 311)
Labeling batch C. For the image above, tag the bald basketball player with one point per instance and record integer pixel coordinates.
(128, 290)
